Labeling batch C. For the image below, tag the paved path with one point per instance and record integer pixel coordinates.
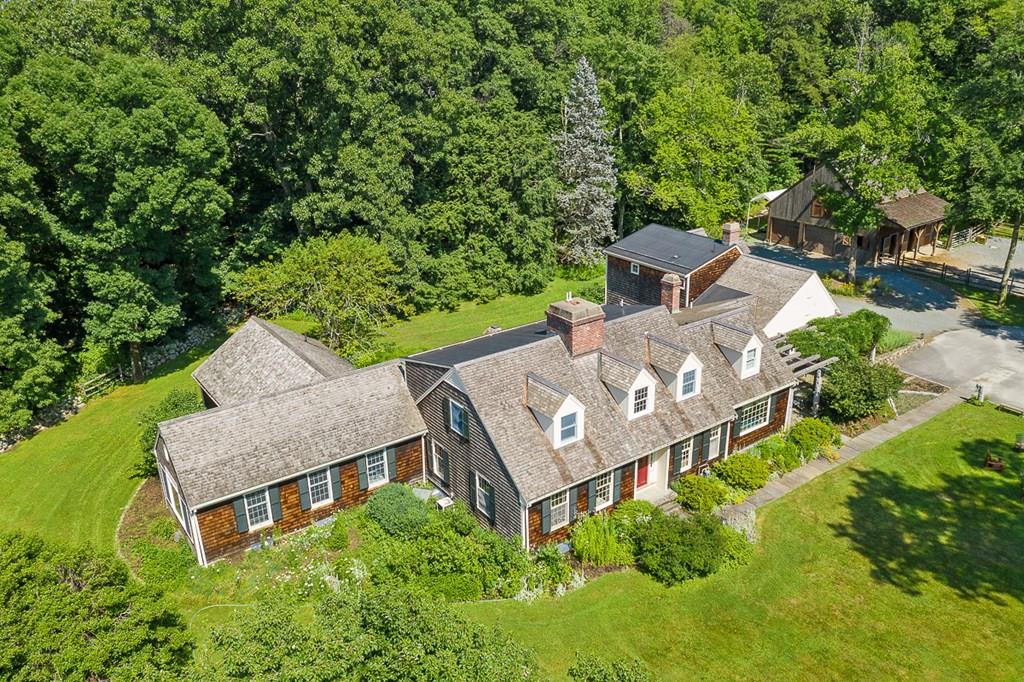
(852, 447)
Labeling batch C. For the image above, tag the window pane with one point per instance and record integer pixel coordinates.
(753, 416)
(751, 358)
(376, 468)
(604, 490)
(689, 381)
(640, 400)
(568, 427)
(684, 454)
(559, 509)
(458, 418)
(438, 460)
(256, 508)
(483, 490)
(319, 487)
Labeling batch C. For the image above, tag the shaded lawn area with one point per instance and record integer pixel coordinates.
(70, 482)
(984, 302)
(904, 564)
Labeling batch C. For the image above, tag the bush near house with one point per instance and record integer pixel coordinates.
(779, 452)
(700, 494)
(813, 437)
(397, 510)
(743, 470)
(177, 403)
(844, 337)
(672, 549)
(857, 389)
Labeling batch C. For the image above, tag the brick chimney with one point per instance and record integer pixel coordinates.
(580, 323)
(671, 285)
(731, 233)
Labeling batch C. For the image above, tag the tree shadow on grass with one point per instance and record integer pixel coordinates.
(966, 531)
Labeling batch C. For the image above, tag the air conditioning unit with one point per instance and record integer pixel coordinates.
(444, 502)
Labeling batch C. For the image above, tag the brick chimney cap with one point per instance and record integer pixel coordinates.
(575, 310)
(671, 278)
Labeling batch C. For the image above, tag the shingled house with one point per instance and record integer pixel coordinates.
(797, 218)
(680, 269)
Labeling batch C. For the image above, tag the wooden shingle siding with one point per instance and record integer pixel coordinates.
(706, 275)
(644, 288)
(777, 420)
(535, 517)
(420, 377)
(468, 455)
(219, 532)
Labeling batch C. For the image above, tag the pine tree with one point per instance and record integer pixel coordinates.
(586, 168)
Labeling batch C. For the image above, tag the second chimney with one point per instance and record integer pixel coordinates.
(671, 286)
(731, 233)
(580, 323)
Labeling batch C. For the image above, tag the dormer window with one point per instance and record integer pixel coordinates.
(567, 427)
(629, 383)
(641, 403)
(559, 414)
(677, 366)
(688, 386)
(750, 364)
(741, 347)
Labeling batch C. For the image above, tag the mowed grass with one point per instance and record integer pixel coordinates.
(904, 564)
(985, 303)
(71, 482)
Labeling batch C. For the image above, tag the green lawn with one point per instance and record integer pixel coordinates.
(903, 565)
(984, 302)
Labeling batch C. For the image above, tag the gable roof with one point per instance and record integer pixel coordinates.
(730, 336)
(914, 210)
(544, 396)
(262, 359)
(617, 372)
(225, 451)
(494, 385)
(668, 249)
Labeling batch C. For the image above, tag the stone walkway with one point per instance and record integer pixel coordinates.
(850, 449)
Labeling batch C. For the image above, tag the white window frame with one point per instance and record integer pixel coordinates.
(634, 268)
(605, 480)
(370, 483)
(313, 504)
(648, 401)
(754, 407)
(435, 460)
(451, 418)
(560, 507)
(687, 453)
(683, 393)
(575, 428)
(481, 497)
(266, 504)
(750, 360)
(177, 504)
(714, 442)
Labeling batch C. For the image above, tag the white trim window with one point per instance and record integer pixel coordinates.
(686, 454)
(603, 498)
(376, 469)
(457, 418)
(750, 363)
(752, 416)
(483, 491)
(568, 427)
(559, 509)
(319, 488)
(641, 400)
(437, 460)
(713, 442)
(634, 268)
(688, 383)
(257, 509)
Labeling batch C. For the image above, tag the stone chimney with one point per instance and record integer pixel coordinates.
(731, 233)
(671, 286)
(580, 323)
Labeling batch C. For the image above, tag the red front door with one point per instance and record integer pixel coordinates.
(641, 472)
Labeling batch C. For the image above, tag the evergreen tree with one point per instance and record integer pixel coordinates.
(587, 171)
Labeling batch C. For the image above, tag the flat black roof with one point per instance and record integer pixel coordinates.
(668, 249)
(482, 346)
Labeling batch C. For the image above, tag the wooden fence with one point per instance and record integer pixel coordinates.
(100, 383)
(961, 237)
(969, 277)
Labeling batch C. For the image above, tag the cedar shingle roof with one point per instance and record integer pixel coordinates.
(914, 210)
(544, 396)
(262, 359)
(617, 372)
(731, 336)
(666, 355)
(222, 452)
(495, 386)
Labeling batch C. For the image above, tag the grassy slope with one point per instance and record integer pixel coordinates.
(904, 564)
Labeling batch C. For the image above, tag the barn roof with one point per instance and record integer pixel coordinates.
(920, 208)
(223, 452)
(261, 359)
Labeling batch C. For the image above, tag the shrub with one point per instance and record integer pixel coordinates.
(451, 586)
(178, 403)
(553, 566)
(596, 541)
(700, 493)
(843, 337)
(812, 437)
(744, 471)
(338, 538)
(780, 454)
(672, 550)
(737, 549)
(631, 516)
(593, 668)
(397, 510)
(855, 389)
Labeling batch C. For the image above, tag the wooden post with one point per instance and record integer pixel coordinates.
(935, 238)
(816, 396)
(943, 271)
(968, 276)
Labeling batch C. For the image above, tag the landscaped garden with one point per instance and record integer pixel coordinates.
(903, 564)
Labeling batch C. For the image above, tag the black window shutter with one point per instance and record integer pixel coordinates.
(591, 495)
(723, 440)
(472, 490)
(444, 466)
(241, 521)
(447, 413)
(676, 459)
(304, 493)
(490, 503)
(275, 502)
(574, 496)
(336, 481)
(617, 485)
(392, 464)
(545, 516)
(772, 405)
(705, 446)
(361, 469)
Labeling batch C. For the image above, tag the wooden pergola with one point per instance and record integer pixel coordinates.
(805, 366)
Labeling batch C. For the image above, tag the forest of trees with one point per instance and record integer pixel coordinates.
(154, 151)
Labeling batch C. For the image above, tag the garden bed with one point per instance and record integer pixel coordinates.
(915, 392)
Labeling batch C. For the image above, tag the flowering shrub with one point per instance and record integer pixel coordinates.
(700, 493)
